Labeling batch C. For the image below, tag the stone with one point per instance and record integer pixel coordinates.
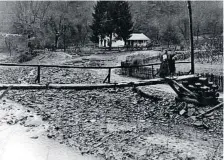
(193, 118)
(183, 111)
(198, 123)
(34, 137)
(191, 111)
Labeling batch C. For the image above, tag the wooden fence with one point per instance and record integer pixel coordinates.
(217, 79)
(106, 80)
(149, 72)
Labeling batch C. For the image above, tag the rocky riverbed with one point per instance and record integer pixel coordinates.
(117, 123)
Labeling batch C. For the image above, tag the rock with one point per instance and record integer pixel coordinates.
(204, 139)
(11, 122)
(190, 105)
(193, 118)
(183, 111)
(198, 123)
(49, 135)
(191, 112)
(93, 120)
(209, 114)
(211, 117)
(34, 137)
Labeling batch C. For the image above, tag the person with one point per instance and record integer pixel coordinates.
(164, 67)
(171, 62)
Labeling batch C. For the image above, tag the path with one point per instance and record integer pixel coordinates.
(116, 78)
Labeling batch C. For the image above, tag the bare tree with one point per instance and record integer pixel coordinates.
(30, 16)
(8, 43)
(183, 26)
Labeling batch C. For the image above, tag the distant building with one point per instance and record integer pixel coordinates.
(104, 42)
(136, 39)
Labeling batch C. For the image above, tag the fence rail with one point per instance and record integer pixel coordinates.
(107, 79)
(146, 71)
(78, 67)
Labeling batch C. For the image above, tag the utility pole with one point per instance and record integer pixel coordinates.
(191, 36)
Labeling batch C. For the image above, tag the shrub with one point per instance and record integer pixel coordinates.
(137, 61)
(24, 57)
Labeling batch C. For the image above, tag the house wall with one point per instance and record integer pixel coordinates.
(118, 43)
(138, 43)
(115, 43)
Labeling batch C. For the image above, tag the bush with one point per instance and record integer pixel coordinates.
(24, 57)
(136, 62)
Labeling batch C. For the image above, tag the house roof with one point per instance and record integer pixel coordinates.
(138, 36)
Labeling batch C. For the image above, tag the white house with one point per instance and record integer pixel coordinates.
(136, 39)
(115, 43)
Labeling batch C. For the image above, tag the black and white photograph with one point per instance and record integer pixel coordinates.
(111, 80)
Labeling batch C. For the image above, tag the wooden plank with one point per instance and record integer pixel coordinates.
(76, 86)
(22, 86)
(80, 67)
(187, 90)
(210, 110)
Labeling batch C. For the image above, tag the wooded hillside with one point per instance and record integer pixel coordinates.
(67, 23)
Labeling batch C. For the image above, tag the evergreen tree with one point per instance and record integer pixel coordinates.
(99, 17)
(110, 21)
(111, 17)
(123, 20)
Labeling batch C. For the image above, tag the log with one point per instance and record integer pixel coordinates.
(210, 110)
(189, 100)
(90, 86)
(5, 92)
(75, 86)
(187, 90)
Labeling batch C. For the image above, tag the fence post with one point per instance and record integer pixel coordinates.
(221, 78)
(212, 77)
(152, 72)
(38, 74)
(109, 73)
